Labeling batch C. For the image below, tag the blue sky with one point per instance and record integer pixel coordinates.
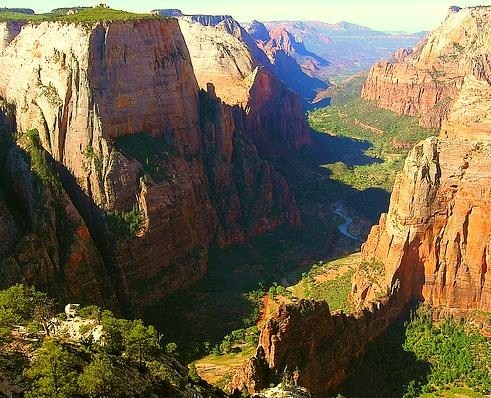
(410, 15)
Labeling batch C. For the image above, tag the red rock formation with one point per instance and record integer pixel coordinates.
(306, 339)
(429, 81)
(207, 183)
(434, 241)
(274, 115)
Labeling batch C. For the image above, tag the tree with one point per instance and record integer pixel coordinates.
(142, 342)
(99, 379)
(43, 313)
(115, 331)
(51, 372)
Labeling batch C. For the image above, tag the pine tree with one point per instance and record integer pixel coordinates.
(52, 373)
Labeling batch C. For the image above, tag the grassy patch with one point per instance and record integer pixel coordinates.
(88, 15)
(329, 281)
(149, 151)
(391, 137)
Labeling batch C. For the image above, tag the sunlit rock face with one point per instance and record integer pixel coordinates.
(199, 177)
(445, 74)
(434, 241)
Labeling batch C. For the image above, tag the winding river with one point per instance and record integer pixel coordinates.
(343, 228)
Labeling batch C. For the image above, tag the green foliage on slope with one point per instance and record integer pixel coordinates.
(89, 15)
(391, 137)
(128, 359)
(424, 359)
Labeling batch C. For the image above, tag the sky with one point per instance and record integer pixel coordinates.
(385, 15)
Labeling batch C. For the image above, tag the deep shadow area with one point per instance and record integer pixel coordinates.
(201, 316)
(386, 370)
(330, 149)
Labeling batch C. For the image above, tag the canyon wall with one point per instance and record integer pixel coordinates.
(312, 345)
(433, 245)
(430, 80)
(225, 54)
(158, 168)
(434, 240)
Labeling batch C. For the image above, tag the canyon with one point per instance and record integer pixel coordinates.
(131, 149)
(189, 170)
(432, 246)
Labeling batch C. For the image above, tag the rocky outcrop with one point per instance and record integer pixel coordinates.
(225, 54)
(438, 74)
(44, 240)
(274, 114)
(158, 169)
(8, 32)
(313, 346)
(434, 241)
(292, 62)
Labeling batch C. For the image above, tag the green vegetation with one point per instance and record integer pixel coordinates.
(124, 224)
(329, 281)
(391, 137)
(150, 151)
(39, 159)
(424, 359)
(128, 359)
(346, 88)
(89, 15)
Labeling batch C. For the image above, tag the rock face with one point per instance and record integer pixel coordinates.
(44, 240)
(440, 74)
(225, 54)
(118, 107)
(434, 241)
(294, 64)
(312, 345)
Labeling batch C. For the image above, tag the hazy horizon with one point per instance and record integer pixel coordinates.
(384, 15)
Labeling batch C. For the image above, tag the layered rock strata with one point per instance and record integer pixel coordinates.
(313, 346)
(158, 169)
(434, 241)
(439, 74)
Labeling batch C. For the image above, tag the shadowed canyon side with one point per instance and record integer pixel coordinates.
(158, 169)
(436, 79)
(433, 245)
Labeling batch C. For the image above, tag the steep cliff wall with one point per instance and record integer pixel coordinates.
(434, 241)
(223, 54)
(428, 82)
(313, 345)
(158, 169)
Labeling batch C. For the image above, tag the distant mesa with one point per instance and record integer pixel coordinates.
(169, 12)
(27, 11)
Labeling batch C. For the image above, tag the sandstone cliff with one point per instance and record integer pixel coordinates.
(434, 241)
(438, 75)
(158, 169)
(293, 63)
(225, 54)
(312, 345)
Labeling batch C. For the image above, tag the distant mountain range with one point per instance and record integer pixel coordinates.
(348, 47)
